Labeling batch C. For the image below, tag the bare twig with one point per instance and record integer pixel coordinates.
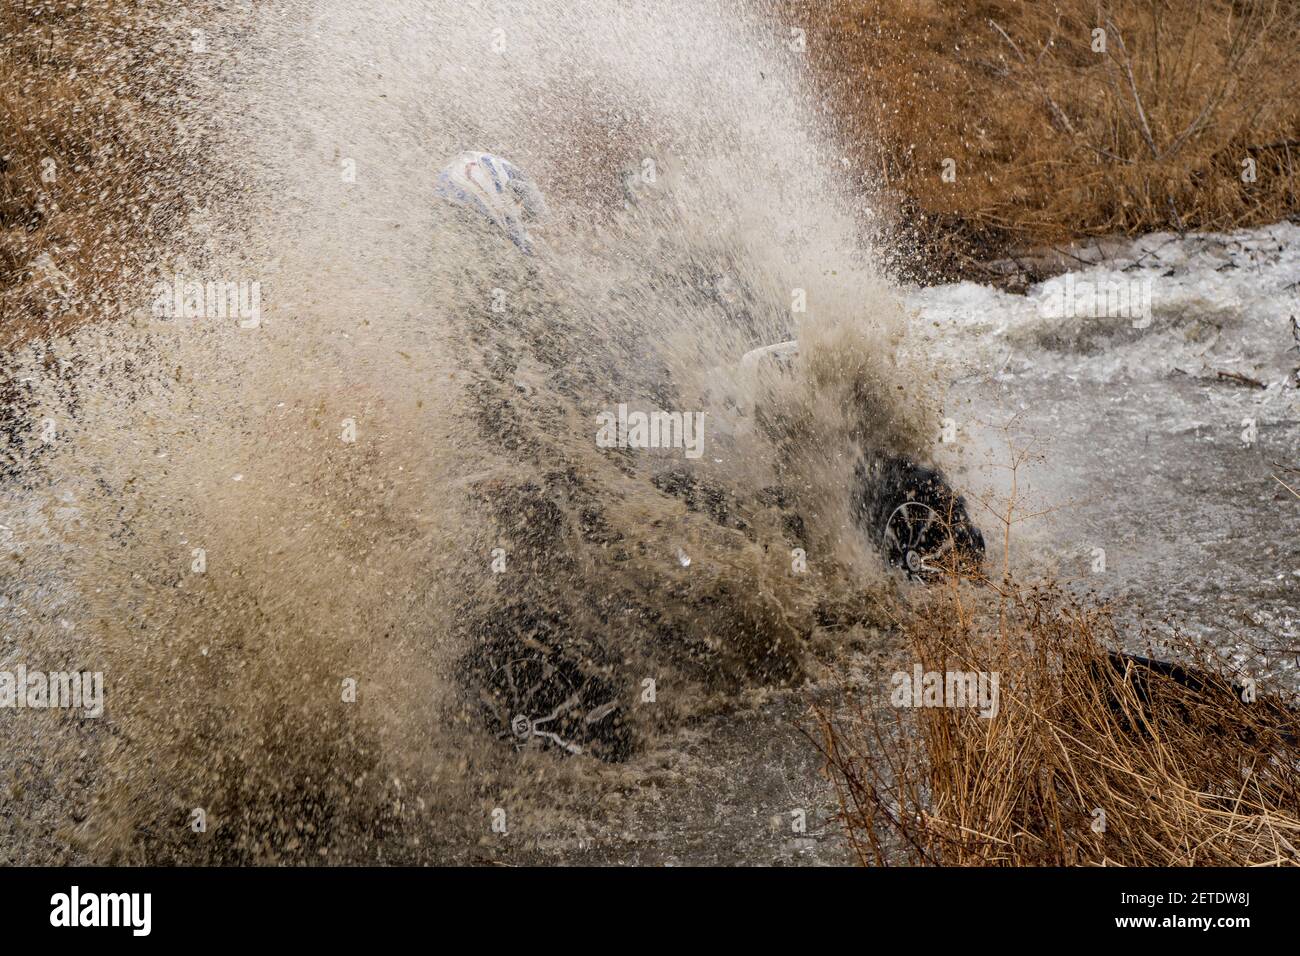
(1238, 377)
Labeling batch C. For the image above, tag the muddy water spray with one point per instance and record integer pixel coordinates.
(244, 522)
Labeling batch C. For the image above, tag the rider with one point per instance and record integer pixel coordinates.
(496, 188)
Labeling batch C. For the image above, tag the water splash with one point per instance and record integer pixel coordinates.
(301, 542)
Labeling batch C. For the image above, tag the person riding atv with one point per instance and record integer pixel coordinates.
(906, 510)
(495, 188)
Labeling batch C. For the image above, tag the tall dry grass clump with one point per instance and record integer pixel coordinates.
(1092, 758)
(1063, 118)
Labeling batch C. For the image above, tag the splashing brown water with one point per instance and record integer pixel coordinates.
(390, 473)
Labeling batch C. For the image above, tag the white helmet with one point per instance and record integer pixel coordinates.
(496, 188)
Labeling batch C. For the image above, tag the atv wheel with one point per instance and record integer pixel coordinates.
(919, 523)
(915, 538)
(532, 699)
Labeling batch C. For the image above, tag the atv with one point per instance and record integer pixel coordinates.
(530, 686)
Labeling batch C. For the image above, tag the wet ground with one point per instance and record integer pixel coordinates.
(740, 788)
(1163, 439)
(1197, 530)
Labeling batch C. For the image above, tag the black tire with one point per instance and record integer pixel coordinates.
(915, 518)
(534, 694)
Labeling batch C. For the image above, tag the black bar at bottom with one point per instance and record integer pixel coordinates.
(333, 906)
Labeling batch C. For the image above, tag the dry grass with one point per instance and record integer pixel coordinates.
(1092, 757)
(1051, 138)
(1184, 775)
